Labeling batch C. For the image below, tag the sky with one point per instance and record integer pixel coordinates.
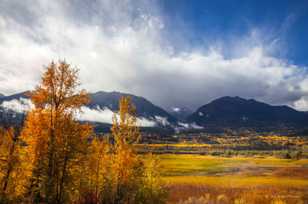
(175, 53)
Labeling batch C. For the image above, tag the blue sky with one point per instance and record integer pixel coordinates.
(173, 52)
(201, 21)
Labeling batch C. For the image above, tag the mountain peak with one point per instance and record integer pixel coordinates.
(145, 108)
(237, 100)
(228, 98)
(236, 112)
(234, 98)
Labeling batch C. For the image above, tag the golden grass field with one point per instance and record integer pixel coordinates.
(214, 179)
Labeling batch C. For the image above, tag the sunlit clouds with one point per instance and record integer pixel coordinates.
(119, 45)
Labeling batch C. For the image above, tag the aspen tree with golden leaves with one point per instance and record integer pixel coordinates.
(114, 169)
(55, 140)
(57, 160)
(97, 170)
(127, 179)
(127, 165)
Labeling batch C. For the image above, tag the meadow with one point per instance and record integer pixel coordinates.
(192, 178)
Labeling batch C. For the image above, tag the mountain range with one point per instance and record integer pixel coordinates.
(223, 113)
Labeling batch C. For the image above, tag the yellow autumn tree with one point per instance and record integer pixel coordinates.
(127, 167)
(114, 170)
(11, 172)
(55, 142)
(95, 181)
(119, 174)
(152, 190)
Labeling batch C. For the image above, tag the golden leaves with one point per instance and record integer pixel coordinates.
(56, 142)
(58, 88)
(56, 159)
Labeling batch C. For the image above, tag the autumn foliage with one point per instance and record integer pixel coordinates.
(57, 159)
(116, 173)
(11, 168)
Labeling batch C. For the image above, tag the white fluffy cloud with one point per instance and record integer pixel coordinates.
(118, 45)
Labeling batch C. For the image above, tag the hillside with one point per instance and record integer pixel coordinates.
(236, 112)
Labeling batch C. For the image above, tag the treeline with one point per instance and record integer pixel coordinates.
(55, 159)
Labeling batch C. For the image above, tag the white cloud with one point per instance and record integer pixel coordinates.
(105, 115)
(162, 120)
(301, 104)
(195, 126)
(143, 122)
(187, 126)
(20, 105)
(118, 45)
(95, 115)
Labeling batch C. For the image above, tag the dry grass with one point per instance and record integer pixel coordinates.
(174, 145)
(237, 181)
(210, 195)
(207, 179)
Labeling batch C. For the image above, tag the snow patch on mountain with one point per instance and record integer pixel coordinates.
(175, 109)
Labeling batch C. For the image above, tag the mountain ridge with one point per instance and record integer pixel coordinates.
(100, 109)
(218, 115)
(236, 112)
(145, 108)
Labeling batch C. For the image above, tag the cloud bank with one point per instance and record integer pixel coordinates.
(105, 115)
(21, 105)
(119, 45)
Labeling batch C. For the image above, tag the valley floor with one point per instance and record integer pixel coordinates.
(212, 179)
